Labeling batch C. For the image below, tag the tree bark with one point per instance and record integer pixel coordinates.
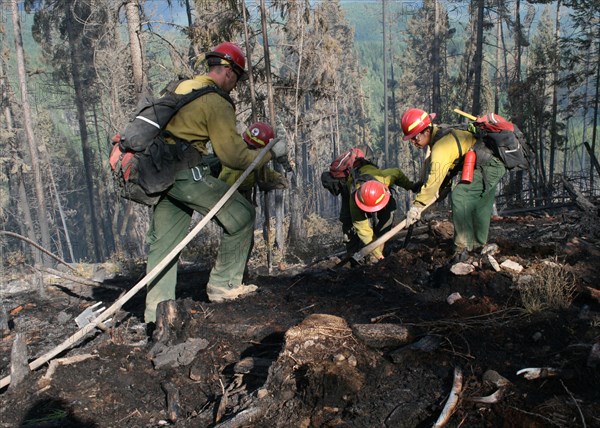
(498, 56)
(279, 240)
(478, 60)
(556, 68)
(135, 47)
(88, 165)
(104, 180)
(28, 125)
(386, 143)
(595, 125)
(16, 182)
(436, 97)
(25, 211)
(518, 119)
(296, 229)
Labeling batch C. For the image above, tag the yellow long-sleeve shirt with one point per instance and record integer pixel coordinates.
(212, 118)
(444, 157)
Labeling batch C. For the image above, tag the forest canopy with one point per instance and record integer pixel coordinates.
(342, 73)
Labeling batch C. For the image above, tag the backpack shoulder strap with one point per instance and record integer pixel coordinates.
(188, 98)
(359, 179)
(460, 153)
(197, 93)
(445, 130)
(364, 161)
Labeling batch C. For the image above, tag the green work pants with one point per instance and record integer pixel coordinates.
(472, 206)
(197, 190)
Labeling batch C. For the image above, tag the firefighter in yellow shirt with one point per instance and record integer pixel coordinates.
(472, 202)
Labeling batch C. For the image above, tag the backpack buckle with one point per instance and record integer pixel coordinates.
(196, 173)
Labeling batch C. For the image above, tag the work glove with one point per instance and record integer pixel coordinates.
(372, 260)
(416, 187)
(413, 215)
(279, 149)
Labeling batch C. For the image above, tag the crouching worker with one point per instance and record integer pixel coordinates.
(210, 117)
(335, 180)
(256, 136)
(372, 205)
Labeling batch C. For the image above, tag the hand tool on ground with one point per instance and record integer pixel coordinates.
(76, 337)
(89, 314)
(367, 249)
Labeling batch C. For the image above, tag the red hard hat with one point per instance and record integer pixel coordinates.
(258, 135)
(414, 121)
(372, 196)
(232, 55)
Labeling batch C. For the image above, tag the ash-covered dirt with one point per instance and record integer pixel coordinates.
(296, 354)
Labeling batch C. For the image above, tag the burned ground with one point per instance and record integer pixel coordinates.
(363, 346)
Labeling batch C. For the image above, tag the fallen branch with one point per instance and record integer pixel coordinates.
(379, 318)
(91, 327)
(38, 246)
(172, 400)
(580, 200)
(248, 417)
(47, 378)
(500, 382)
(583, 424)
(222, 403)
(532, 373)
(488, 399)
(452, 399)
(77, 279)
(412, 290)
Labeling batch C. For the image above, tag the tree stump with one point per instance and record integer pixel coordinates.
(18, 361)
(172, 348)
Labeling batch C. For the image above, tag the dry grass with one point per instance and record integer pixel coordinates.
(14, 259)
(551, 288)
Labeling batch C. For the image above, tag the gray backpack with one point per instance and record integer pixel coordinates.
(142, 163)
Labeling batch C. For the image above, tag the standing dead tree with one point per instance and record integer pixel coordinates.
(28, 126)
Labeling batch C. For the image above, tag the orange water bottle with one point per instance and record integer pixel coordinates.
(468, 167)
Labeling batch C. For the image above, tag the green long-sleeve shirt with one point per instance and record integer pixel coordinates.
(212, 118)
(230, 176)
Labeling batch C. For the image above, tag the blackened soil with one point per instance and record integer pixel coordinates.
(290, 356)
